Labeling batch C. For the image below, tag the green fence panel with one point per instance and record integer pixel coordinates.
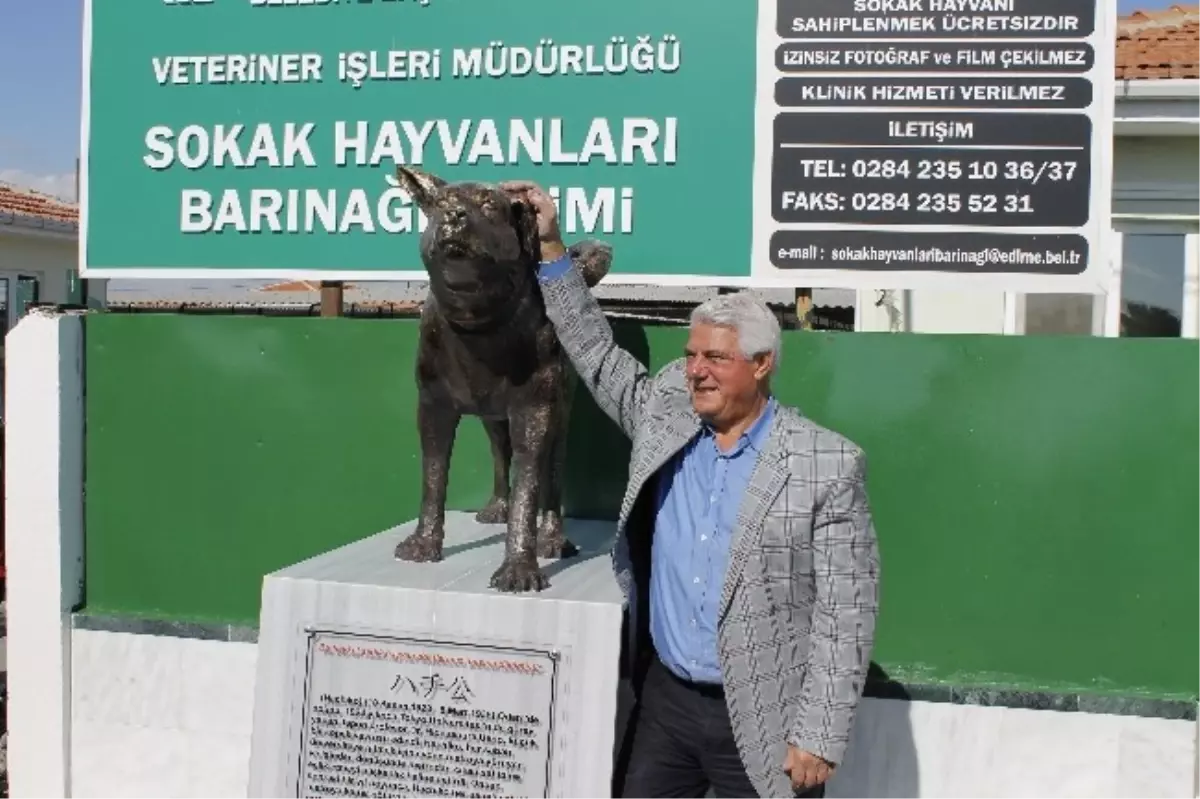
(1035, 497)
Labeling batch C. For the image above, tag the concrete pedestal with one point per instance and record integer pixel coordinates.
(378, 677)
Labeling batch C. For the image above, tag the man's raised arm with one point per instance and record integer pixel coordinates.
(618, 381)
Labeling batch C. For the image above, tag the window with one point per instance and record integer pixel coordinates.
(26, 295)
(75, 295)
(1152, 285)
(1061, 314)
(1154, 290)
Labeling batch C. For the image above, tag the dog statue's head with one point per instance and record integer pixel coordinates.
(479, 241)
(481, 244)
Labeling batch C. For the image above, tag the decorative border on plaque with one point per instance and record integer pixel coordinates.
(394, 715)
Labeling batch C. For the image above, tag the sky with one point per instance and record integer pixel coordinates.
(39, 94)
(40, 61)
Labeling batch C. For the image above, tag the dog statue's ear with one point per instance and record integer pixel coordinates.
(525, 221)
(593, 258)
(422, 187)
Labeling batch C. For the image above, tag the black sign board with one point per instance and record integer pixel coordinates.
(936, 19)
(972, 150)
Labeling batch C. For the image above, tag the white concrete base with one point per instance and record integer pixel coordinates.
(934, 749)
(43, 496)
(163, 717)
(160, 717)
(438, 680)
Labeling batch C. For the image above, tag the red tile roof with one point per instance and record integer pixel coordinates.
(1159, 44)
(28, 203)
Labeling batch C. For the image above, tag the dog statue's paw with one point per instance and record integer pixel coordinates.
(420, 547)
(495, 512)
(518, 576)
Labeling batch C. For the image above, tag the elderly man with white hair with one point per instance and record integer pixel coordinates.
(745, 547)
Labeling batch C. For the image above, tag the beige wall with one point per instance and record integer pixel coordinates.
(1167, 159)
(48, 258)
(930, 311)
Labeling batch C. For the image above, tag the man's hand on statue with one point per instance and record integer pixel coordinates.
(547, 215)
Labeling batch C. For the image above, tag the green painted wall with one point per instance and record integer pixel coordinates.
(1035, 497)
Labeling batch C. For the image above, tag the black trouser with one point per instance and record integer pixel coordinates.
(683, 742)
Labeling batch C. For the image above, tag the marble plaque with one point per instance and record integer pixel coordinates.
(397, 717)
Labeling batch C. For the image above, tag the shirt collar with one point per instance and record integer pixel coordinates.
(758, 431)
(754, 435)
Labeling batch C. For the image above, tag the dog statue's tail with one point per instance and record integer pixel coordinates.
(593, 257)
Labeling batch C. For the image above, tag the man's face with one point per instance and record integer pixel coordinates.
(723, 382)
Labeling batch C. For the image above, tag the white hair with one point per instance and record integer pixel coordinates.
(756, 326)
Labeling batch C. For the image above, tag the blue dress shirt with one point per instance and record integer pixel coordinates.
(700, 491)
(552, 270)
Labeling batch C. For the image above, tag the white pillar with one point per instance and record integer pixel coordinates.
(43, 531)
(1191, 286)
(1014, 314)
(1112, 299)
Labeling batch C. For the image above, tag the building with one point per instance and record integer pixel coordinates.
(39, 239)
(38, 245)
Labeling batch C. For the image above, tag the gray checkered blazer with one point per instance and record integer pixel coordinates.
(801, 597)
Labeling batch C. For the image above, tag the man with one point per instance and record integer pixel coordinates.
(746, 529)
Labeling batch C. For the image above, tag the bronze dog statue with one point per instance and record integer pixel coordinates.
(487, 349)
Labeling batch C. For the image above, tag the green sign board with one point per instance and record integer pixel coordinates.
(777, 142)
(247, 138)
